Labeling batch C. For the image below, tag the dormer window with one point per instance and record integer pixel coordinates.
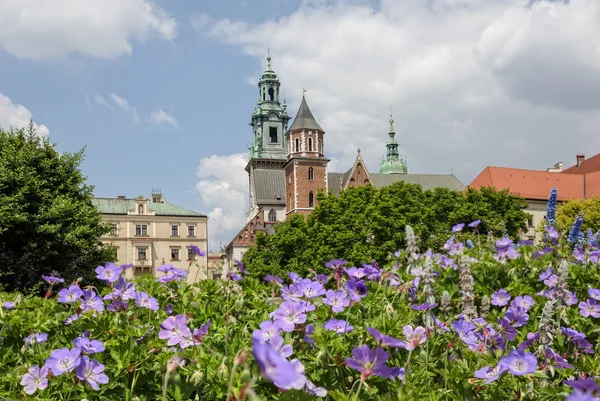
(141, 209)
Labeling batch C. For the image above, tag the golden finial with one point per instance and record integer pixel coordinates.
(269, 57)
(391, 120)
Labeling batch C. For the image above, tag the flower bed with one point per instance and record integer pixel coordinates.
(486, 319)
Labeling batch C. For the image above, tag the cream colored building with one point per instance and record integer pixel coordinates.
(148, 233)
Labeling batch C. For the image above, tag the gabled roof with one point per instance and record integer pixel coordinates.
(590, 165)
(530, 184)
(426, 181)
(304, 119)
(121, 206)
(350, 173)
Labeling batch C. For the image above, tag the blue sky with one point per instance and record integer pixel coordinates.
(161, 93)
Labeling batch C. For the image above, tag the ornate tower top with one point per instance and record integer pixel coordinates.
(304, 119)
(393, 163)
(269, 119)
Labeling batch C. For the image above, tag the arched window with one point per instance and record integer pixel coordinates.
(297, 145)
(310, 144)
(271, 94)
(272, 216)
(311, 174)
(141, 209)
(311, 199)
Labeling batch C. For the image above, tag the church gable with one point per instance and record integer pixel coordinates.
(358, 175)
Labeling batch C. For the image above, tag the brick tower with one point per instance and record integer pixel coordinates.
(306, 167)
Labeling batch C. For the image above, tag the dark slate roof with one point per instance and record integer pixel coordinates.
(121, 206)
(304, 119)
(427, 181)
(268, 185)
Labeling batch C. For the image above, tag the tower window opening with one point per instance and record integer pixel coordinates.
(311, 199)
(311, 174)
(310, 144)
(272, 216)
(297, 145)
(271, 94)
(273, 134)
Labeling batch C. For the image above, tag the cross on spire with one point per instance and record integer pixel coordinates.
(303, 92)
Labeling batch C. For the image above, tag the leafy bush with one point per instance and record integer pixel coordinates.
(364, 223)
(483, 319)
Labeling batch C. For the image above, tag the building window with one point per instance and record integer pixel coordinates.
(191, 254)
(271, 94)
(273, 134)
(297, 145)
(311, 199)
(141, 209)
(113, 229)
(191, 231)
(139, 270)
(174, 231)
(141, 229)
(142, 253)
(272, 216)
(174, 253)
(310, 144)
(530, 221)
(311, 174)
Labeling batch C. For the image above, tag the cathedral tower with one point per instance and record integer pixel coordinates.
(306, 167)
(393, 163)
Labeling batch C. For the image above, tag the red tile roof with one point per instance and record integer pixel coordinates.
(535, 184)
(590, 165)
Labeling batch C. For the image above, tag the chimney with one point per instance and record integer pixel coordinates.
(121, 197)
(580, 159)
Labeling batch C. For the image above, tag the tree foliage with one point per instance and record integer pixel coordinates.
(567, 212)
(47, 219)
(366, 223)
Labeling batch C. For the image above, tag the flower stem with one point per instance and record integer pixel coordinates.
(233, 369)
(407, 365)
(358, 390)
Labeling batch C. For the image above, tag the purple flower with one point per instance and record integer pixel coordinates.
(35, 379)
(234, 277)
(500, 297)
(586, 385)
(53, 280)
(289, 314)
(589, 308)
(91, 372)
(475, 223)
(519, 362)
(199, 333)
(88, 346)
(109, 273)
(91, 301)
(579, 395)
(369, 362)
(63, 360)
(545, 275)
(594, 293)
(290, 293)
(9, 305)
(175, 329)
(240, 266)
(275, 368)
(506, 329)
(70, 295)
(268, 329)
(72, 318)
(458, 227)
(309, 288)
(525, 302)
(424, 307)
(293, 276)
(517, 316)
(308, 330)
(277, 344)
(122, 290)
(552, 233)
(311, 389)
(339, 326)
(489, 373)
(144, 301)
(385, 341)
(336, 264)
(414, 336)
(337, 300)
(197, 250)
(36, 338)
(273, 279)
(323, 278)
(355, 272)
(117, 306)
(356, 289)
(551, 281)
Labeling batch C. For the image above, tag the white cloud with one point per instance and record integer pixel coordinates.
(223, 189)
(17, 116)
(42, 29)
(102, 102)
(124, 105)
(473, 82)
(159, 117)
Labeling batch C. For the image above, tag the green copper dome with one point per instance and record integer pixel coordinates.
(393, 162)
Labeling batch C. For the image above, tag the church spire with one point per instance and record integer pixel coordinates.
(393, 162)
